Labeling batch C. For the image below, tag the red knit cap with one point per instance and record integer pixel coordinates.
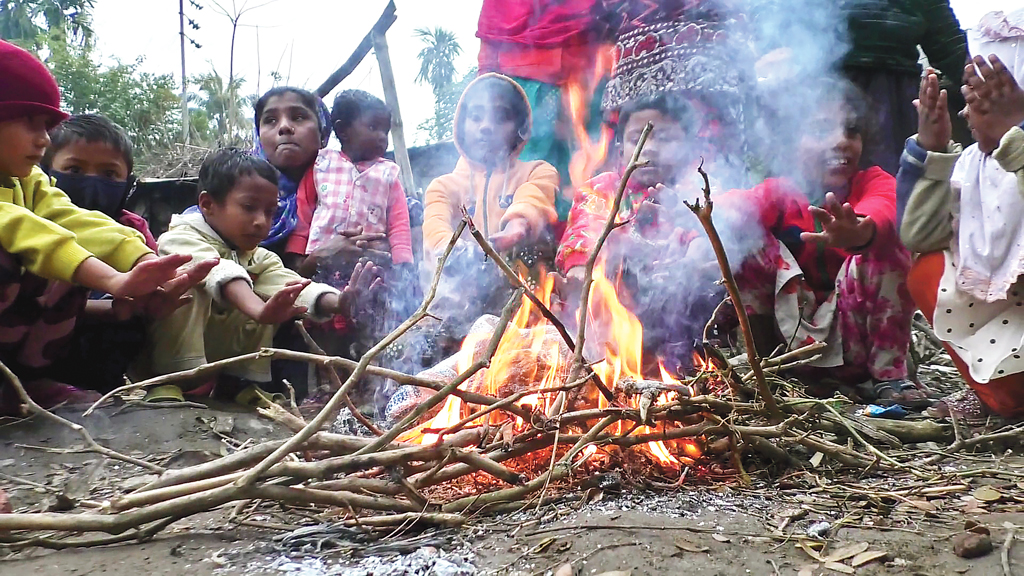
(28, 88)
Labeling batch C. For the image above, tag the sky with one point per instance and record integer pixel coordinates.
(303, 40)
(306, 40)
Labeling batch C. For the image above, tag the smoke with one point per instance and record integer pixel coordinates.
(785, 54)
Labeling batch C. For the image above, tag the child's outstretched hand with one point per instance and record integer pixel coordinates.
(174, 294)
(934, 128)
(841, 227)
(511, 236)
(355, 299)
(993, 92)
(281, 306)
(145, 277)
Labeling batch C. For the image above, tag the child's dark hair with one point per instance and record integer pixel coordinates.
(501, 87)
(862, 119)
(307, 98)
(671, 104)
(350, 105)
(223, 168)
(90, 128)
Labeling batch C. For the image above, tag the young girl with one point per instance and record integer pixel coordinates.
(962, 212)
(358, 189)
(832, 268)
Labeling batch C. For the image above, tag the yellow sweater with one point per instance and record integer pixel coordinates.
(51, 236)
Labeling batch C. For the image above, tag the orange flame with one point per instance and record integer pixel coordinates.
(579, 92)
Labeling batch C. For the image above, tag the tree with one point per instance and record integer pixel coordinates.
(221, 106)
(437, 68)
(29, 23)
(441, 125)
(144, 104)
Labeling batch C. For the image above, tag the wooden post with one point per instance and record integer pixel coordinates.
(184, 80)
(387, 76)
(387, 18)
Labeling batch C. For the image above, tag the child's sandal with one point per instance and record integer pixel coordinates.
(164, 393)
(256, 397)
(902, 392)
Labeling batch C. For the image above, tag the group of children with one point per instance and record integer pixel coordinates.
(297, 229)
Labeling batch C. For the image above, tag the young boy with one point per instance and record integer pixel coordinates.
(91, 160)
(237, 308)
(48, 245)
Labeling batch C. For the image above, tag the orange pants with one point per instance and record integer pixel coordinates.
(1004, 396)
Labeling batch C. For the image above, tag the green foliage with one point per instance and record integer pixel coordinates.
(144, 104)
(437, 68)
(29, 23)
(226, 125)
(440, 126)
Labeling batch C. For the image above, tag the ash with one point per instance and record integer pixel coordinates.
(426, 561)
(347, 424)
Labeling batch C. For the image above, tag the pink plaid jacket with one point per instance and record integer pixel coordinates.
(367, 194)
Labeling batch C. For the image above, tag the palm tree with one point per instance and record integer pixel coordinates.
(215, 100)
(437, 58)
(26, 21)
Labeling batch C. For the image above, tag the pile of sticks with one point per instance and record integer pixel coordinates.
(379, 483)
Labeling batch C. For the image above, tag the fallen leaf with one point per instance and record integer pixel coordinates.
(868, 557)
(687, 546)
(922, 504)
(810, 551)
(807, 570)
(987, 494)
(816, 459)
(565, 570)
(837, 567)
(973, 526)
(543, 545)
(846, 552)
(721, 537)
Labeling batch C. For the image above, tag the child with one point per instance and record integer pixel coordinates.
(48, 245)
(90, 158)
(511, 201)
(357, 189)
(655, 229)
(962, 211)
(832, 268)
(237, 307)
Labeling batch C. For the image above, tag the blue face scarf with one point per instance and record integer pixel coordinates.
(94, 192)
(287, 198)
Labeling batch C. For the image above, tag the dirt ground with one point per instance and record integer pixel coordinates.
(639, 532)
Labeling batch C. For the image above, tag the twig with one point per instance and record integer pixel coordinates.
(1006, 550)
(335, 402)
(485, 361)
(703, 213)
(333, 375)
(511, 274)
(91, 445)
(578, 364)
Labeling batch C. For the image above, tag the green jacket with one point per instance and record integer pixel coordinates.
(885, 34)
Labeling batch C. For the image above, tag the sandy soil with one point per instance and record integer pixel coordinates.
(915, 543)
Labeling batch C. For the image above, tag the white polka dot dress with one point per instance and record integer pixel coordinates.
(988, 336)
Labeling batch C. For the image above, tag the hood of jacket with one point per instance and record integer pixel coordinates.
(524, 131)
(197, 222)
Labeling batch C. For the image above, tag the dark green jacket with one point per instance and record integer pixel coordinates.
(885, 34)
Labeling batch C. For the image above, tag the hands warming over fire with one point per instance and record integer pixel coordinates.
(841, 227)
(168, 297)
(351, 244)
(934, 129)
(356, 299)
(994, 99)
(515, 232)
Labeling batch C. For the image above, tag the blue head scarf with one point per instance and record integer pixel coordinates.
(287, 198)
